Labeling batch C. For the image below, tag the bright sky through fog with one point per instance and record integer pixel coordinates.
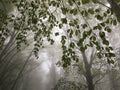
(108, 4)
(46, 66)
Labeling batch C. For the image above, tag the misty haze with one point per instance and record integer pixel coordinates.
(59, 44)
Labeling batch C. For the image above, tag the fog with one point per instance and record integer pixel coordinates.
(21, 70)
(45, 72)
(44, 76)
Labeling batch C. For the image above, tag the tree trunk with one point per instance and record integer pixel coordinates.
(115, 8)
(113, 80)
(88, 75)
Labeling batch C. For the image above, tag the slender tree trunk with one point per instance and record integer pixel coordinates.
(115, 8)
(88, 75)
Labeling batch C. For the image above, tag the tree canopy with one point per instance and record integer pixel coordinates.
(86, 23)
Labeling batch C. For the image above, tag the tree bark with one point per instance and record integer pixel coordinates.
(115, 8)
(113, 80)
(88, 75)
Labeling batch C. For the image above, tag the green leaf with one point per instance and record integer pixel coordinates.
(75, 11)
(75, 22)
(93, 38)
(64, 10)
(111, 54)
(64, 20)
(84, 26)
(71, 11)
(91, 44)
(97, 10)
(77, 32)
(108, 29)
(95, 27)
(80, 43)
(70, 2)
(102, 24)
(72, 45)
(110, 48)
(77, 26)
(107, 21)
(64, 48)
(78, 3)
(114, 22)
(99, 55)
(84, 13)
(108, 60)
(105, 14)
(82, 49)
(94, 1)
(63, 37)
(112, 61)
(84, 34)
(68, 31)
(53, 3)
(98, 48)
(107, 49)
(99, 27)
(76, 59)
(64, 65)
(89, 32)
(60, 26)
(57, 33)
(34, 20)
(85, 1)
(63, 42)
(70, 50)
(71, 33)
(102, 34)
(52, 42)
(108, 11)
(91, 11)
(99, 17)
(106, 42)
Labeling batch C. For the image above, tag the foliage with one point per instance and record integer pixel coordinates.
(63, 84)
(41, 16)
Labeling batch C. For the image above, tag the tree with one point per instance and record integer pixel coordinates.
(13, 64)
(115, 8)
(74, 17)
